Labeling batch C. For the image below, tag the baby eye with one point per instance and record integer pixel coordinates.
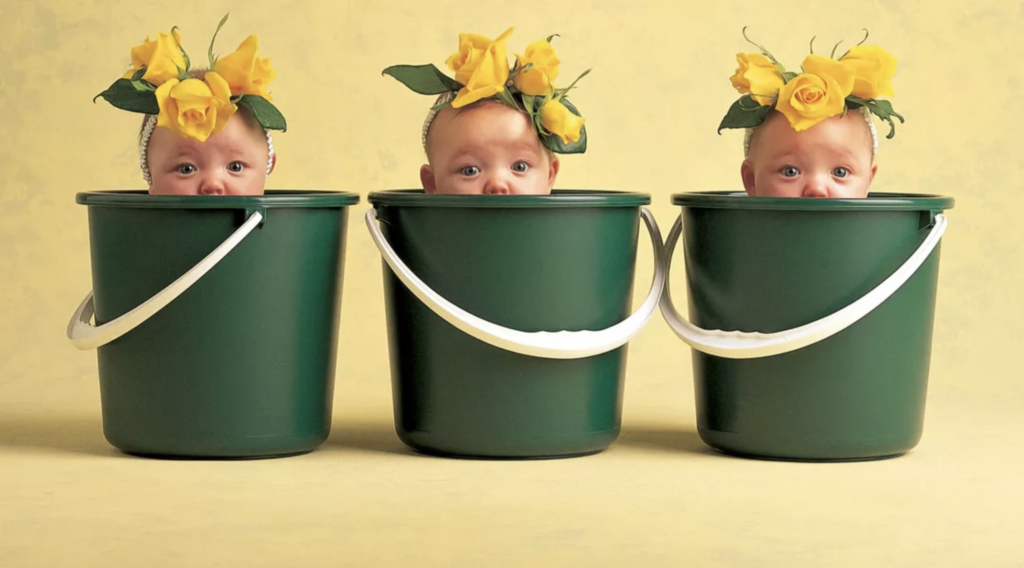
(520, 167)
(236, 167)
(186, 169)
(790, 171)
(469, 171)
(840, 172)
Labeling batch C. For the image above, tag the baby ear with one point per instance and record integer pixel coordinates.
(553, 168)
(273, 164)
(874, 170)
(427, 179)
(747, 173)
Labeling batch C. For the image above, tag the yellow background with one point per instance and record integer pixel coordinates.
(658, 497)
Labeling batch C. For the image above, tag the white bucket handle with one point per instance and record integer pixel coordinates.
(741, 345)
(87, 336)
(551, 345)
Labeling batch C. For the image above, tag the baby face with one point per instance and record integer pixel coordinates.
(231, 162)
(831, 159)
(486, 148)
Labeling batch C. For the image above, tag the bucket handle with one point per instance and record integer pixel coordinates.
(741, 345)
(84, 335)
(550, 345)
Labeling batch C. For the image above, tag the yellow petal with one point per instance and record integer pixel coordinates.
(557, 119)
(165, 60)
(168, 108)
(843, 73)
(467, 97)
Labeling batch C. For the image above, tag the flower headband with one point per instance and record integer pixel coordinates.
(482, 72)
(826, 87)
(195, 103)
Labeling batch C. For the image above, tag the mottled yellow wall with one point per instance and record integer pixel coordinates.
(658, 89)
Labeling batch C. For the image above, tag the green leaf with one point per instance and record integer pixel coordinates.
(424, 79)
(788, 76)
(554, 142)
(881, 109)
(552, 36)
(123, 95)
(744, 113)
(265, 112)
(139, 74)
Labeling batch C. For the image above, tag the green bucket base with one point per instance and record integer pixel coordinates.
(788, 458)
(457, 456)
(219, 448)
(542, 449)
(215, 458)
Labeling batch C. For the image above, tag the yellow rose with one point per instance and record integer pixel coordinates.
(875, 68)
(556, 118)
(818, 93)
(481, 66)
(245, 72)
(161, 58)
(195, 108)
(758, 76)
(537, 81)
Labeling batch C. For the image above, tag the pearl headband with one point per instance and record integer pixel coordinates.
(442, 99)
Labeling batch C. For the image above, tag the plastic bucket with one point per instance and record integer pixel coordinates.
(508, 317)
(216, 320)
(827, 307)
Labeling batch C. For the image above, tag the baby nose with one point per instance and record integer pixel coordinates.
(496, 184)
(816, 187)
(211, 184)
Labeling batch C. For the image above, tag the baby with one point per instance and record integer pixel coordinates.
(207, 132)
(235, 161)
(811, 134)
(494, 130)
(834, 158)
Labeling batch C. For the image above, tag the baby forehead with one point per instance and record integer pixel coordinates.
(492, 124)
(849, 133)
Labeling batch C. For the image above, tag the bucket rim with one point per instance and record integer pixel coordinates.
(558, 198)
(875, 201)
(141, 199)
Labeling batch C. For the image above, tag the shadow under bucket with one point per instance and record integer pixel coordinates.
(827, 308)
(216, 320)
(484, 295)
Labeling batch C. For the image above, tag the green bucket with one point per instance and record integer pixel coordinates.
(508, 317)
(216, 320)
(827, 308)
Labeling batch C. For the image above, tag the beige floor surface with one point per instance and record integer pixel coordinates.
(658, 497)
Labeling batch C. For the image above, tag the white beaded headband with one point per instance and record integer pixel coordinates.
(147, 133)
(442, 99)
(749, 134)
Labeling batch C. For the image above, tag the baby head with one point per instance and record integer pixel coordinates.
(810, 134)
(834, 158)
(237, 160)
(206, 131)
(486, 148)
(495, 130)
